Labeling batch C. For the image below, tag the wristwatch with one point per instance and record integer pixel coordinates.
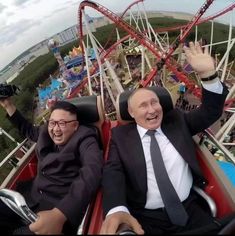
(215, 75)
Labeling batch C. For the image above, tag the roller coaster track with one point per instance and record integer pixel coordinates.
(203, 20)
(174, 28)
(220, 13)
(122, 15)
(105, 53)
(145, 41)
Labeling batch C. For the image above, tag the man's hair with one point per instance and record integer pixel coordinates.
(66, 106)
(135, 91)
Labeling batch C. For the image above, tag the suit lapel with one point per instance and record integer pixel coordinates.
(176, 135)
(173, 135)
(137, 155)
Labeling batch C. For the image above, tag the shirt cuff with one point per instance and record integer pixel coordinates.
(117, 209)
(214, 86)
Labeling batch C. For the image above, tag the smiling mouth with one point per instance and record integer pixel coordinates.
(152, 118)
(57, 135)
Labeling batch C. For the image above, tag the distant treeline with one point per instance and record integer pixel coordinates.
(204, 32)
(41, 68)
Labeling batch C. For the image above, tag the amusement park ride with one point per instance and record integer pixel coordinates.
(144, 57)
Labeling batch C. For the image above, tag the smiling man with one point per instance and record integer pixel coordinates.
(61, 130)
(69, 172)
(156, 145)
(145, 108)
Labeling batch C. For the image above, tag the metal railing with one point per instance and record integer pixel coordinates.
(221, 148)
(20, 146)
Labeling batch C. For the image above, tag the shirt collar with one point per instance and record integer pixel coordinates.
(142, 131)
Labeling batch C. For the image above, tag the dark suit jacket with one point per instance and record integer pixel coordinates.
(67, 178)
(125, 177)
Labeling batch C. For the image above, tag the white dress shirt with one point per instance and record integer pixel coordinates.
(182, 178)
(177, 169)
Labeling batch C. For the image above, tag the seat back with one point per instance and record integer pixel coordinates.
(90, 112)
(123, 115)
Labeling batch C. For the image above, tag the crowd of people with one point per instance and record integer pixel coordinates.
(184, 104)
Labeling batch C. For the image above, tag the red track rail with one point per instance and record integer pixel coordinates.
(179, 27)
(122, 15)
(80, 30)
(189, 26)
(220, 13)
(170, 63)
(229, 103)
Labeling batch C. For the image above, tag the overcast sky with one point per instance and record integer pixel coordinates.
(24, 23)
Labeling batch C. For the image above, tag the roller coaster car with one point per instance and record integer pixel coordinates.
(219, 194)
(219, 191)
(91, 113)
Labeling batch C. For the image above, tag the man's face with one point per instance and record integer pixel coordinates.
(59, 129)
(145, 108)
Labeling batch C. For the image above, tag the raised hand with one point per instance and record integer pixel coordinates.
(200, 60)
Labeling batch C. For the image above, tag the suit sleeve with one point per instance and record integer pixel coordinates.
(25, 127)
(113, 176)
(84, 187)
(208, 112)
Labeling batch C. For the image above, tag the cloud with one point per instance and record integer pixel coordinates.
(10, 13)
(20, 2)
(9, 34)
(58, 10)
(2, 7)
(54, 13)
(23, 3)
(64, 7)
(72, 2)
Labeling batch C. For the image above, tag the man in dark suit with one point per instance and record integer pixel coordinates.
(131, 192)
(68, 174)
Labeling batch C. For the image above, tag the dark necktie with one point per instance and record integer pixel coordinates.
(170, 198)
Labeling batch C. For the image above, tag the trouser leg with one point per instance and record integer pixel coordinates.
(9, 220)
